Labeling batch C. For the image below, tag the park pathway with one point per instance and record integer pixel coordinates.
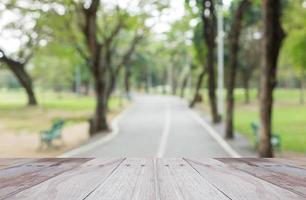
(159, 126)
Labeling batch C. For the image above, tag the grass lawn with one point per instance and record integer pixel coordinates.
(289, 117)
(16, 117)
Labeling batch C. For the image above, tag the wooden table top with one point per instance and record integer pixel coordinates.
(150, 179)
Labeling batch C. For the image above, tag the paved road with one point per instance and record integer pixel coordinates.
(159, 126)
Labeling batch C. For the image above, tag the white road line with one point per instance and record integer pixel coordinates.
(212, 132)
(103, 140)
(165, 133)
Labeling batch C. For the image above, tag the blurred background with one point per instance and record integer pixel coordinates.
(155, 78)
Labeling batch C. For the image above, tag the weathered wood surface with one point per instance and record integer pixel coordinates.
(150, 179)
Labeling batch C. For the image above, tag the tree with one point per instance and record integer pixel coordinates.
(250, 44)
(248, 62)
(19, 70)
(185, 79)
(179, 66)
(232, 67)
(29, 37)
(179, 46)
(272, 41)
(209, 26)
(55, 66)
(115, 68)
(103, 30)
(295, 44)
(90, 31)
(33, 28)
(200, 51)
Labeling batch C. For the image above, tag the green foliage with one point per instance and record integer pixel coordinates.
(288, 118)
(199, 45)
(68, 106)
(55, 66)
(59, 48)
(296, 47)
(7, 80)
(295, 43)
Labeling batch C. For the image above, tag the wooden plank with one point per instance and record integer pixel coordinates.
(21, 177)
(11, 162)
(146, 186)
(167, 186)
(237, 184)
(152, 179)
(178, 180)
(75, 184)
(126, 182)
(284, 169)
(287, 177)
(296, 162)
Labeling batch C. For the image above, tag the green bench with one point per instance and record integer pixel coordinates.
(47, 136)
(275, 139)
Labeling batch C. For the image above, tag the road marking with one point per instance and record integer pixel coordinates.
(103, 140)
(166, 132)
(213, 133)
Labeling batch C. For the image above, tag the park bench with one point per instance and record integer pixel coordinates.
(275, 139)
(47, 136)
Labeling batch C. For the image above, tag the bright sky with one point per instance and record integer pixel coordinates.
(176, 11)
(162, 23)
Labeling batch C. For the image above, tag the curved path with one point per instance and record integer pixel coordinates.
(160, 126)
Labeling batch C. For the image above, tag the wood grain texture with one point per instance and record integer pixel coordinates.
(285, 176)
(237, 184)
(11, 162)
(147, 186)
(152, 179)
(133, 179)
(75, 184)
(294, 162)
(283, 169)
(178, 180)
(18, 178)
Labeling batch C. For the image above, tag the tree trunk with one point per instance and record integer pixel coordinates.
(22, 76)
(87, 87)
(216, 118)
(110, 89)
(26, 82)
(127, 77)
(146, 82)
(246, 77)
(99, 121)
(184, 85)
(258, 92)
(198, 87)
(165, 83)
(114, 70)
(246, 91)
(209, 20)
(173, 80)
(273, 37)
(234, 48)
(174, 87)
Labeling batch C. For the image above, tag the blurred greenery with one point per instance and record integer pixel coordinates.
(289, 117)
(163, 59)
(17, 117)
